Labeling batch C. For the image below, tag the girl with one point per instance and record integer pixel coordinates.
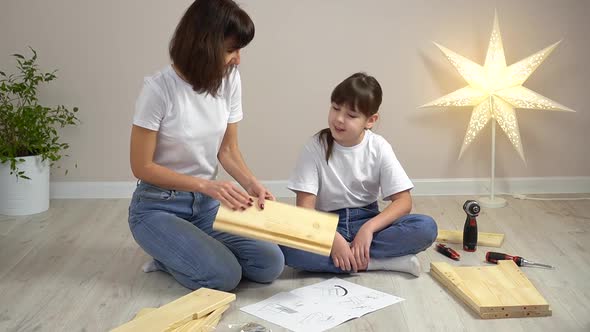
(343, 169)
(185, 122)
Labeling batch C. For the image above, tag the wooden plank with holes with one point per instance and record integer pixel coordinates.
(499, 291)
(170, 316)
(483, 239)
(281, 223)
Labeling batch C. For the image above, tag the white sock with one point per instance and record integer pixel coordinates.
(408, 264)
(150, 266)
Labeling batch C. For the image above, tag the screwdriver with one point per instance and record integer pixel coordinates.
(449, 252)
(494, 257)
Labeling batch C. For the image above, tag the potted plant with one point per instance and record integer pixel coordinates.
(29, 140)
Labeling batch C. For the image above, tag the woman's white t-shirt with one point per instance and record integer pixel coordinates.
(190, 125)
(353, 177)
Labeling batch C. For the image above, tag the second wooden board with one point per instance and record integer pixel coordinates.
(281, 223)
(498, 291)
(483, 239)
(192, 306)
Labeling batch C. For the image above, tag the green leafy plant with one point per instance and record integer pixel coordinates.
(26, 127)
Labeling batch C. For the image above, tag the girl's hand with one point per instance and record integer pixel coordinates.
(255, 188)
(228, 194)
(342, 255)
(361, 246)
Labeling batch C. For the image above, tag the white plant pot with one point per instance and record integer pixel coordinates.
(19, 197)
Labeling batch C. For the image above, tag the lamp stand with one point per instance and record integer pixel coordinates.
(492, 201)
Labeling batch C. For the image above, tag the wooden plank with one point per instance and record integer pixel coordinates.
(444, 274)
(212, 319)
(188, 326)
(499, 291)
(492, 298)
(180, 311)
(202, 319)
(206, 323)
(483, 239)
(211, 327)
(144, 311)
(284, 224)
(499, 313)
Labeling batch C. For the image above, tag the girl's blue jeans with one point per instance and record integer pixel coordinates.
(409, 234)
(175, 228)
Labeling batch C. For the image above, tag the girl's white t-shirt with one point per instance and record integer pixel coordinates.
(190, 125)
(353, 177)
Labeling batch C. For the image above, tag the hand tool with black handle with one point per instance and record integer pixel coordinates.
(494, 257)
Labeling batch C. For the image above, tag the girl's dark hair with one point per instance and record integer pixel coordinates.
(197, 48)
(359, 92)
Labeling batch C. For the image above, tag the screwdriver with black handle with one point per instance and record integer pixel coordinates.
(494, 257)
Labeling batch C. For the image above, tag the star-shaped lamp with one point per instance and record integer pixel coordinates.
(494, 91)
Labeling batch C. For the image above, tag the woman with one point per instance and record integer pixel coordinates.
(185, 122)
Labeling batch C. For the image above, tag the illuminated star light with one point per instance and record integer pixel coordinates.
(495, 90)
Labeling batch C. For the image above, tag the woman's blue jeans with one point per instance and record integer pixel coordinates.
(409, 234)
(176, 229)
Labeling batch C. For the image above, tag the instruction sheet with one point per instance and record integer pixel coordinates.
(320, 306)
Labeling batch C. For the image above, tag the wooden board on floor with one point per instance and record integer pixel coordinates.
(144, 311)
(483, 239)
(195, 305)
(281, 223)
(204, 323)
(496, 291)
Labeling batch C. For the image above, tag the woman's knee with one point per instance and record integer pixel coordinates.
(224, 277)
(225, 282)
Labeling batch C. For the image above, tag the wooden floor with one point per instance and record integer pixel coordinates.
(77, 268)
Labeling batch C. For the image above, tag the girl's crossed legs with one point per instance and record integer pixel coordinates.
(393, 248)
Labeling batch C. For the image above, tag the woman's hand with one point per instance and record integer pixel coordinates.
(361, 246)
(255, 188)
(342, 255)
(228, 194)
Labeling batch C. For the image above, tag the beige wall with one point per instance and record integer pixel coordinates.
(301, 51)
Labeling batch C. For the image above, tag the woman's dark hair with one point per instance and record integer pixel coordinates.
(197, 48)
(359, 92)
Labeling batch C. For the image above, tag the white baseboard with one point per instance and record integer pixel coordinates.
(481, 186)
(89, 190)
(423, 187)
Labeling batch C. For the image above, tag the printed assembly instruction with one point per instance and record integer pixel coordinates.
(320, 306)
